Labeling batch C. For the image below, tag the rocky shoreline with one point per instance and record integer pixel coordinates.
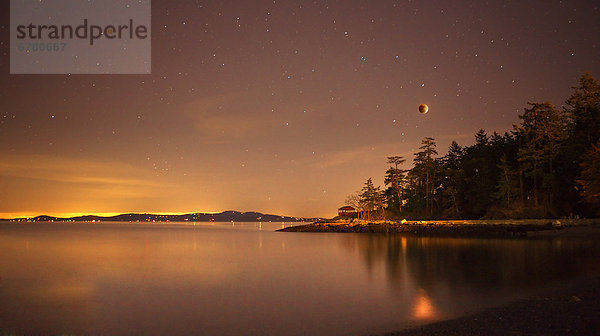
(477, 229)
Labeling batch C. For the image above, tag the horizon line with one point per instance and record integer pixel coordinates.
(67, 215)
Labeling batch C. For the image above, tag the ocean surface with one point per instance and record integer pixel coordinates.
(247, 279)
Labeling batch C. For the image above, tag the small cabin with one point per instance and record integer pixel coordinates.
(347, 211)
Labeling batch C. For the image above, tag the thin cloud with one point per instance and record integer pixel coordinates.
(77, 171)
(227, 117)
(359, 156)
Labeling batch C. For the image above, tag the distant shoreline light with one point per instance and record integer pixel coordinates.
(9, 215)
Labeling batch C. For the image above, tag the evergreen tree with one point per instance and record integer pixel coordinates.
(542, 130)
(590, 176)
(394, 178)
(371, 199)
(507, 187)
(453, 180)
(481, 138)
(480, 171)
(424, 166)
(583, 112)
(546, 166)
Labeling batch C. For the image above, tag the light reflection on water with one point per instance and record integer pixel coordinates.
(243, 278)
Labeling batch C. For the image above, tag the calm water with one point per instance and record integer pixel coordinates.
(243, 279)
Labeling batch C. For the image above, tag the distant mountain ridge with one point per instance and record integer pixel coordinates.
(225, 216)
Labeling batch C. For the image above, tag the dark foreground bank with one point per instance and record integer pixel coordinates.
(568, 309)
(477, 229)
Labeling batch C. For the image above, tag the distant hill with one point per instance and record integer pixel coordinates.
(225, 216)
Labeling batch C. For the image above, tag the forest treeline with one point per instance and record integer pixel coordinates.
(547, 166)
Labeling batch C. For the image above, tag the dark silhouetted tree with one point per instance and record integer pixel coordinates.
(590, 176)
(424, 168)
(546, 166)
(372, 199)
(583, 111)
(542, 131)
(507, 187)
(394, 179)
(452, 180)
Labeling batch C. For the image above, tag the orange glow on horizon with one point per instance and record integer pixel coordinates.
(10, 215)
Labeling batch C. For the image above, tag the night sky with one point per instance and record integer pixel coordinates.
(282, 107)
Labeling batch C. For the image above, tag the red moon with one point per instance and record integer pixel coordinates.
(423, 108)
